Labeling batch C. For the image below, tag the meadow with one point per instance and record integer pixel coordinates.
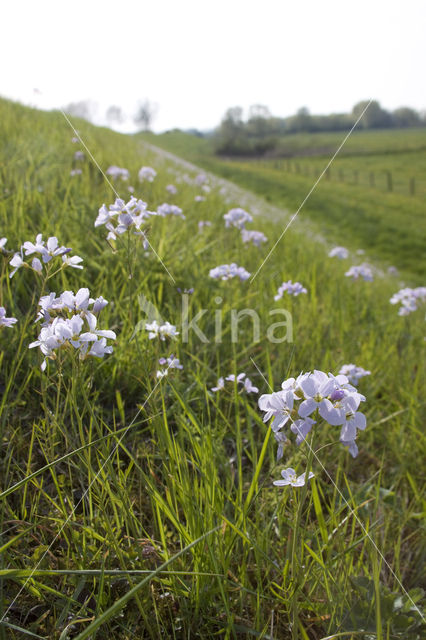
(374, 191)
(137, 497)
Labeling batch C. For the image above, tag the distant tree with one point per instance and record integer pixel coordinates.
(145, 114)
(82, 109)
(374, 118)
(258, 111)
(406, 117)
(114, 114)
(259, 118)
(302, 121)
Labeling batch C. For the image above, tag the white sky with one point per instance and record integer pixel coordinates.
(194, 59)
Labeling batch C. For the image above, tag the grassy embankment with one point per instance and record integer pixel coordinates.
(107, 473)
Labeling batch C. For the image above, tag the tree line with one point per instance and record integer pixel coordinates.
(259, 133)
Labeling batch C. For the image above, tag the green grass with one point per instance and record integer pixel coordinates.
(352, 199)
(137, 510)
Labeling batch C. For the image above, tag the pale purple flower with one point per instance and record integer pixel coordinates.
(237, 218)
(79, 155)
(220, 385)
(171, 189)
(147, 173)
(74, 140)
(6, 322)
(353, 373)
(170, 363)
(293, 289)
(117, 172)
(289, 477)
(228, 271)
(301, 428)
(68, 328)
(249, 387)
(339, 252)
(204, 223)
(256, 237)
(169, 210)
(199, 199)
(2, 243)
(409, 299)
(360, 271)
(121, 217)
(200, 179)
(76, 172)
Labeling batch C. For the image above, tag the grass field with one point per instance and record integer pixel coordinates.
(352, 198)
(135, 506)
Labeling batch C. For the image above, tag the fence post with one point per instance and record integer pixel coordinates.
(412, 186)
(372, 179)
(389, 180)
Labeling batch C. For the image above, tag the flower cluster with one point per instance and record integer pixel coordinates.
(339, 252)
(161, 330)
(360, 271)
(117, 172)
(293, 289)
(256, 237)
(241, 378)
(6, 322)
(320, 395)
(70, 321)
(228, 271)
(147, 173)
(237, 218)
(169, 363)
(47, 251)
(409, 299)
(165, 209)
(124, 216)
(353, 373)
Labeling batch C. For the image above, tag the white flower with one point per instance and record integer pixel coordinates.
(2, 242)
(6, 322)
(162, 331)
(73, 261)
(290, 478)
(353, 373)
(16, 262)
